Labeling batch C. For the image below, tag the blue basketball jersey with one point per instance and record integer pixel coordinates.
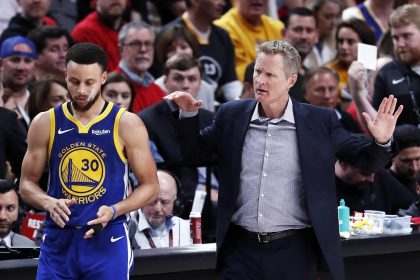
(86, 163)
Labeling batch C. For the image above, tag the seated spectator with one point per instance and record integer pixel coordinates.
(183, 73)
(248, 89)
(177, 39)
(136, 41)
(327, 14)
(365, 190)
(247, 26)
(321, 89)
(9, 206)
(12, 143)
(32, 15)
(47, 93)
(348, 35)
(18, 56)
(156, 225)
(101, 28)
(406, 164)
(52, 43)
(118, 90)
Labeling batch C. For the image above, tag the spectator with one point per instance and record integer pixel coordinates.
(9, 206)
(327, 14)
(177, 39)
(101, 28)
(18, 56)
(157, 227)
(118, 90)
(33, 14)
(136, 41)
(217, 55)
(47, 93)
(348, 35)
(406, 164)
(401, 76)
(182, 72)
(65, 13)
(321, 89)
(52, 43)
(12, 143)
(9, 8)
(374, 12)
(248, 26)
(368, 190)
(301, 32)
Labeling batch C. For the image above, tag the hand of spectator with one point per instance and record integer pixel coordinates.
(104, 214)
(59, 210)
(382, 127)
(357, 78)
(185, 101)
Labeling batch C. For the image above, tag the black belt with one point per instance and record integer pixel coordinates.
(265, 237)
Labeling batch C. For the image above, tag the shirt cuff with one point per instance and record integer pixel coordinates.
(184, 114)
(387, 145)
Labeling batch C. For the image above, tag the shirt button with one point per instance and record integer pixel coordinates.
(262, 195)
(264, 174)
(267, 154)
(269, 134)
(260, 215)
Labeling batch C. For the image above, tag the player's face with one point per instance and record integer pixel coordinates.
(322, 90)
(406, 41)
(84, 83)
(118, 93)
(407, 162)
(52, 58)
(347, 45)
(271, 83)
(157, 212)
(8, 212)
(188, 80)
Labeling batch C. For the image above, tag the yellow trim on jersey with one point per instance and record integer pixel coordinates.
(85, 128)
(192, 29)
(52, 131)
(116, 135)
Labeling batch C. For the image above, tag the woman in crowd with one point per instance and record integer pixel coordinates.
(118, 90)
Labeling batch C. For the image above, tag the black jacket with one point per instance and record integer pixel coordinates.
(398, 79)
(17, 26)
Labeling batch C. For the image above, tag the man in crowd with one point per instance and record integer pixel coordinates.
(52, 43)
(401, 77)
(88, 144)
(217, 55)
(33, 14)
(9, 210)
(406, 164)
(182, 72)
(157, 227)
(321, 89)
(301, 33)
(101, 28)
(18, 57)
(277, 201)
(248, 26)
(136, 41)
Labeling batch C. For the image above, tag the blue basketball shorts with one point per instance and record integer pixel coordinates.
(65, 254)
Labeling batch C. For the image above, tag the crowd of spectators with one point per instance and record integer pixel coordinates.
(208, 48)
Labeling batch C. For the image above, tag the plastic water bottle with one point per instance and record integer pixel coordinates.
(343, 219)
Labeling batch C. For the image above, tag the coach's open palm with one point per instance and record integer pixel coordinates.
(382, 127)
(185, 101)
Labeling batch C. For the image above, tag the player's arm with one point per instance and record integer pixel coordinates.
(32, 167)
(135, 141)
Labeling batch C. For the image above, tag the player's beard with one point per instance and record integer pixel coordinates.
(87, 106)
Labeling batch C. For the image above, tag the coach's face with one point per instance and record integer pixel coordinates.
(8, 211)
(271, 81)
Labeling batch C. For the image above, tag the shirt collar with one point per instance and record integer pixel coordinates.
(144, 224)
(145, 82)
(8, 239)
(287, 116)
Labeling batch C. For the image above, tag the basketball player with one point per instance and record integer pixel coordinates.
(88, 144)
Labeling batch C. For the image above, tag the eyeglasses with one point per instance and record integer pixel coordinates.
(137, 45)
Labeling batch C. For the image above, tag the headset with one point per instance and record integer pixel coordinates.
(179, 202)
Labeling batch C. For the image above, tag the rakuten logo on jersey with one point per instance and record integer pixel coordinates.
(101, 131)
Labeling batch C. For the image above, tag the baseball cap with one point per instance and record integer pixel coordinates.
(19, 46)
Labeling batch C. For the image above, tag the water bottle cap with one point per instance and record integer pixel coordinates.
(342, 203)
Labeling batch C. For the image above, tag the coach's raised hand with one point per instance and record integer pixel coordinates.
(185, 101)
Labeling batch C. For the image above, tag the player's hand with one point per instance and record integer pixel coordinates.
(105, 214)
(59, 210)
(185, 101)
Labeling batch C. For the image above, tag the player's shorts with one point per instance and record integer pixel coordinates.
(65, 254)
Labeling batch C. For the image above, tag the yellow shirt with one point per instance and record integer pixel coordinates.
(342, 74)
(245, 37)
